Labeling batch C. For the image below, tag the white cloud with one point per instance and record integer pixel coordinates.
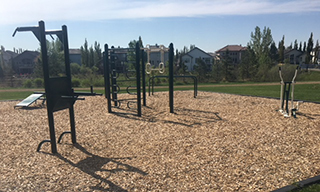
(22, 11)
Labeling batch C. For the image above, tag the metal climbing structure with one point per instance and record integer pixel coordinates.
(58, 90)
(114, 67)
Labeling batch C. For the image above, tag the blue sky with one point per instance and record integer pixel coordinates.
(208, 24)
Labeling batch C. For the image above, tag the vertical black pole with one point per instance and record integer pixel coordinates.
(46, 75)
(107, 76)
(138, 78)
(113, 77)
(143, 71)
(68, 74)
(171, 77)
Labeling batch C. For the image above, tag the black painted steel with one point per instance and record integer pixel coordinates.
(171, 55)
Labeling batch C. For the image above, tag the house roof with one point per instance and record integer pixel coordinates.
(232, 48)
(196, 48)
(74, 51)
(34, 54)
(286, 52)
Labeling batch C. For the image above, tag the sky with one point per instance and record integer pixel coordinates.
(207, 24)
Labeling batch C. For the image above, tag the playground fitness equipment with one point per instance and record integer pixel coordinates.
(110, 70)
(58, 90)
(284, 96)
(161, 67)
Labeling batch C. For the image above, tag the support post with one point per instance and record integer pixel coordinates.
(106, 66)
(171, 52)
(46, 75)
(143, 79)
(138, 78)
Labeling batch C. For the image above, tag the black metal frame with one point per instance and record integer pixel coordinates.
(195, 83)
(111, 73)
(58, 90)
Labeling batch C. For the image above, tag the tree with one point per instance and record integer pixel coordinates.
(248, 65)
(316, 53)
(201, 69)
(55, 60)
(300, 46)
(98, 57)
(228, 68)
(261, 45)
(281, 49)
(295, 45)
(304, 47)
(274, 52)
(309, 49)
(85, 54)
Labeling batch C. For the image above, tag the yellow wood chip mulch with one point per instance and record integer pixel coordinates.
(216, 142)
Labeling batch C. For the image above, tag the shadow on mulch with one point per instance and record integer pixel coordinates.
(94, 163)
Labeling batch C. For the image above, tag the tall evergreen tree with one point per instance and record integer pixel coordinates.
(300, 46)
(281, 49)
(316, 53)
(85, 54)
(304, 47)
(248, 65)
(295, 45)
(309, 49)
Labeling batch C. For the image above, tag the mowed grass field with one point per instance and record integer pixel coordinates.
(304, 91)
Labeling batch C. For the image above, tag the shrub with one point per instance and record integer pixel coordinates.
(75, 82)
(27, 83)
(38, 82)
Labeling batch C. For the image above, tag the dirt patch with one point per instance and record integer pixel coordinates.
(216, 142)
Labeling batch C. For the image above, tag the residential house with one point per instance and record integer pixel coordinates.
(234, 51)
(6, 57)
(157, 54)
(190, 58)
(315, 53)
(75, 56)
(25, 62)
(294, 56)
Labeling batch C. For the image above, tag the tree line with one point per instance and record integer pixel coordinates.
(260, 57)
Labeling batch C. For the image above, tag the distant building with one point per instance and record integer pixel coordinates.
(294, 56)
(158, 54)
(25, 62)
(6, 57)
(235, 52)
(75, 56)
(190, 58)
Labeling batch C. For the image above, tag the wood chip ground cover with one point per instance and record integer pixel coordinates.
(216, 142)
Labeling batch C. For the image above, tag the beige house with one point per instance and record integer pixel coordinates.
(235, 52)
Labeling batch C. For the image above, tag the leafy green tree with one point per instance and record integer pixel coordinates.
(56, 62)
(261, 44)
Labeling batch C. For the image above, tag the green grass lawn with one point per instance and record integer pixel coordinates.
(304, 92)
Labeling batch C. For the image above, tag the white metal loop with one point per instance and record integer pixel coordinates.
(161, 67)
